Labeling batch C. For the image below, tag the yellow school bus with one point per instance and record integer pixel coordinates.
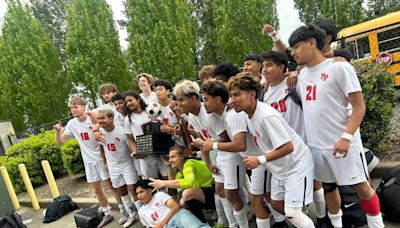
(377, 40)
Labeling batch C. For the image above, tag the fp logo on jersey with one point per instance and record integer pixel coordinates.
(324, 77)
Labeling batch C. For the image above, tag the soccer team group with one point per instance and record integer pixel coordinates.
(281, 133)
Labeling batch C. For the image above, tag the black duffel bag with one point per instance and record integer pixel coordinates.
(12, 220)
(389, 194)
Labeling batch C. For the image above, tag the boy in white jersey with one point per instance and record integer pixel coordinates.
(116, 157)
(145, 82)
(168, 118)
(274, 68)
(286, 156)
(188, 98)
(80, 128)
(150, 165)
(327, 88)
(160, 210)
(232, 171)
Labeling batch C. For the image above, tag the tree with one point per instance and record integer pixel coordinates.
(377, 8)
(94, 55)
(52, 16)
(33, 90)
(239, 24)
(162, 38)
(344, 12)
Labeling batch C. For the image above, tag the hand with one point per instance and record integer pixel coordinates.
(251, 162)
(214, 169)
(265, 86)
(207, 145)
(99, 137)
(136, 156)
(291, 79)
(268, 29)
(197, 142)
(178, 130)
(341, 148)
(157, 184)
(164, 128)
(58, 127)
(165, 159)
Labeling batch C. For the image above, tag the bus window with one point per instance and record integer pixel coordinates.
(389, 40)
(360, 48)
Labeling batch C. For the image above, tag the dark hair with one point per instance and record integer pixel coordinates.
(306, 32)
(276, 57)
(328, 25)
(253, 57)
(167, 85)
(117, 96)
(137, 97)
(216, 89)
(225, 70)
(143, 184)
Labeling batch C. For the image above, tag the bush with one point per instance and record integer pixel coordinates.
(71, 156)
(35, 149)
(379, 95)
(12, 168)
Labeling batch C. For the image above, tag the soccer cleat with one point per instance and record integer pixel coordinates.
(324, 222)
(106, 219)
(282, 224)
(122, 218)
(130, 221)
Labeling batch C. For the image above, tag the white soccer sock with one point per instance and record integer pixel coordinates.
(127, 201)
(278, 217)
(106, 210)
(319, 202)
(336, 219)
(375, 221)
(241, 218)
(138, 204)
(121, 208)
(220, 210)
(228, 209)
(263, 223)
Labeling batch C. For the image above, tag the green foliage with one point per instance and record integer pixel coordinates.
(11, 164)
(379, 96)
(93, 52)
(239, 24)
(71, 156)
(377, 8)
(34, 150)
(162, 38)
(33, 89)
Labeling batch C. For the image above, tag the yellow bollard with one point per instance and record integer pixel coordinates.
(50, 178)
(28, 186)
(10, 187)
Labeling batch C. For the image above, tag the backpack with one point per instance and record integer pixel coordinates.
(12, 220)
(389, 194)
(59, 207)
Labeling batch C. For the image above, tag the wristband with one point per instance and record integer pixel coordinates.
(275, 37)
(347, 136)
(94, 131)
(215, 146)
(262, 159)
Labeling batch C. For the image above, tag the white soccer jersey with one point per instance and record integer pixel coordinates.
(116, 149)
(209, 126)
(291, 112)
(270, 131)
(119, 119)
(324, 89)
(151, 98)
(168, 117)
(156, 210)
(236, 122)
(83, 133)
(134, 124)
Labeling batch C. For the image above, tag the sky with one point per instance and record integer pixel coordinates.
(288, 18)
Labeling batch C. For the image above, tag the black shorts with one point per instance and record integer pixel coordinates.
(209, 196)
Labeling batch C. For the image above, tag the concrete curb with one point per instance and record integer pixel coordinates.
(378, 172)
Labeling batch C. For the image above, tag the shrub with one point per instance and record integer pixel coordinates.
(71, 156)
(379, 95)
(12, 168)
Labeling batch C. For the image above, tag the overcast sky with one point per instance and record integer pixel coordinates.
(288, 18)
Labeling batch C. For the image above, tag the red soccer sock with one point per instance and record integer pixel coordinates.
(371, 206)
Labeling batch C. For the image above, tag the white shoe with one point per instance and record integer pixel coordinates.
(130, 221)
(123, 217)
